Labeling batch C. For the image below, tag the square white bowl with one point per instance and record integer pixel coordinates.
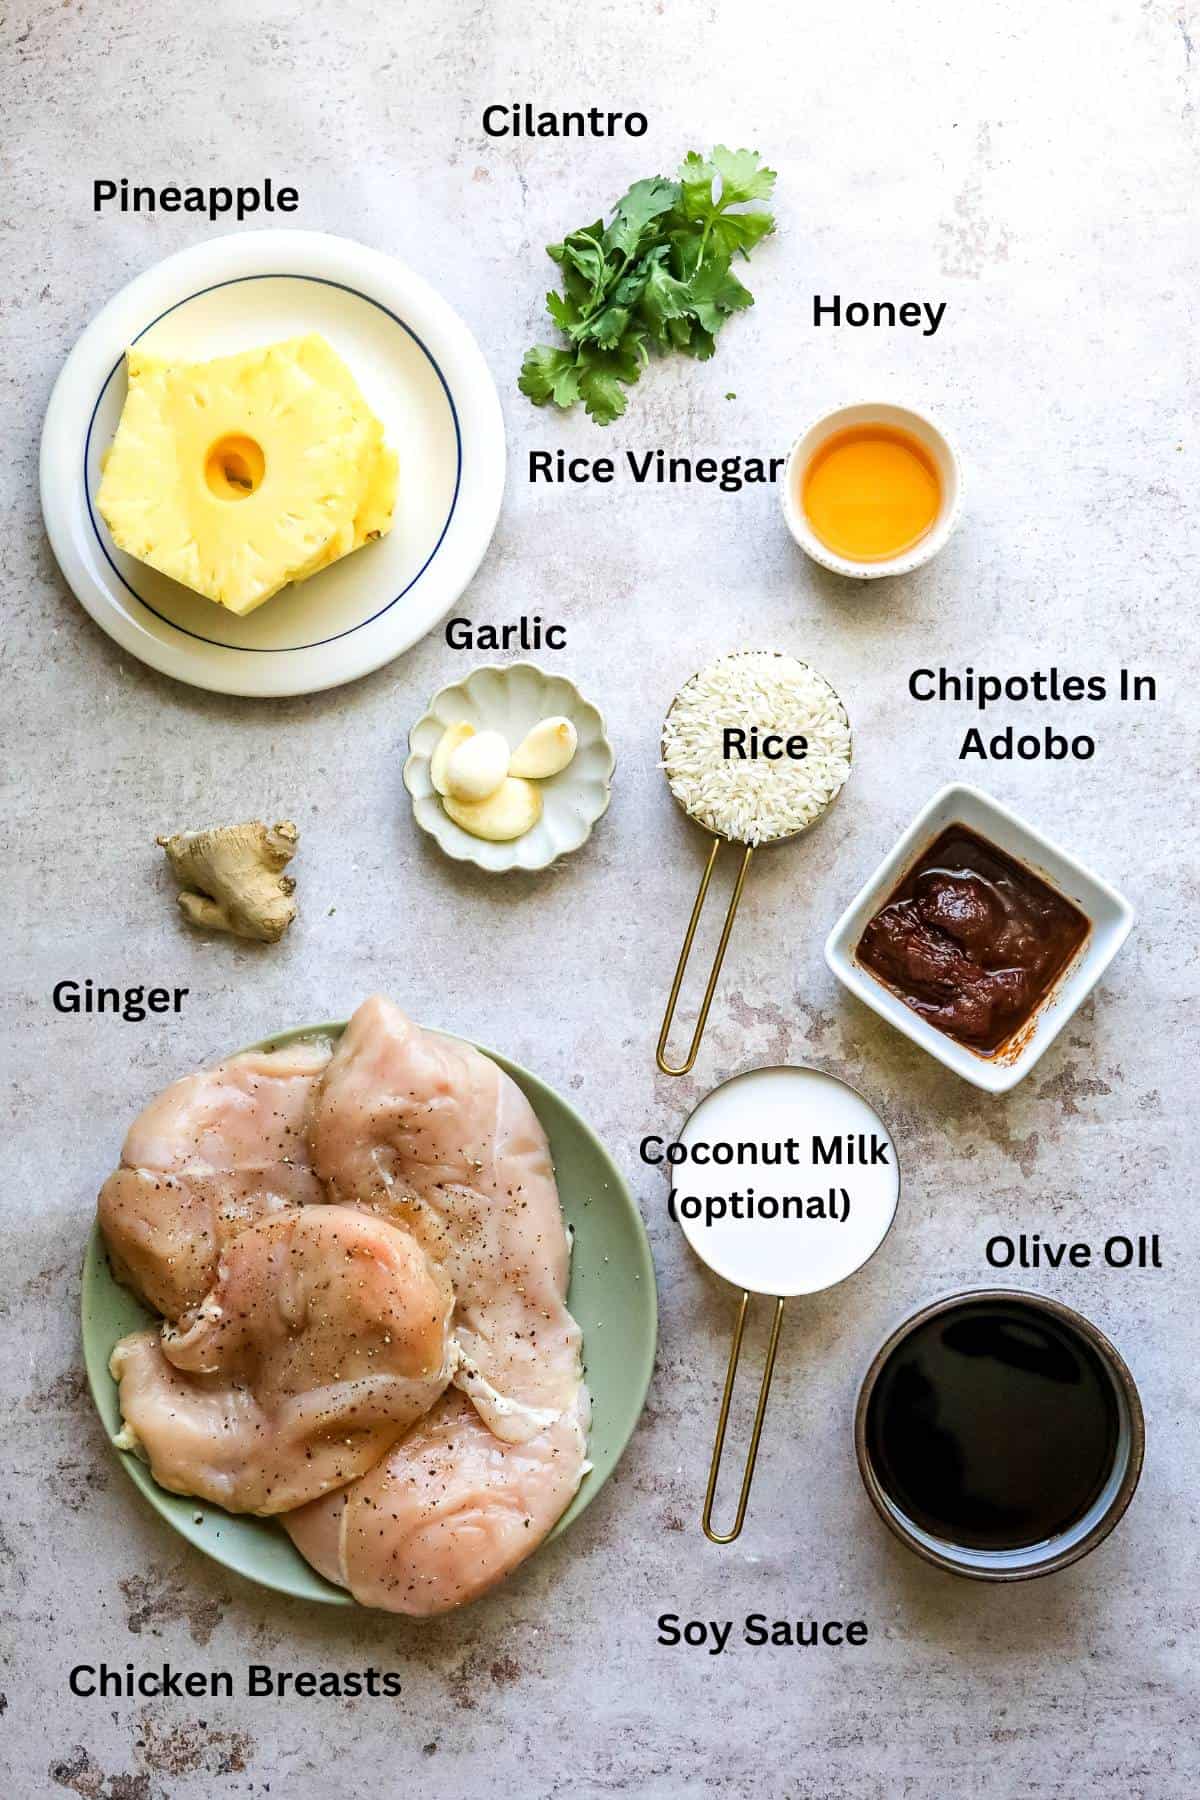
(1110, 915)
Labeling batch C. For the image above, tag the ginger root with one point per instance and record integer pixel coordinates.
(231, 877)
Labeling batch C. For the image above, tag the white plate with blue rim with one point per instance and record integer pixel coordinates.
(421, 372)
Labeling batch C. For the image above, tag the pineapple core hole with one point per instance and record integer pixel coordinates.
(234, 468)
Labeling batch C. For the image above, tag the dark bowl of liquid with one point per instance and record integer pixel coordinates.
(999, 1434)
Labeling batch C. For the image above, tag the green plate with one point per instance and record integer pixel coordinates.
(612, 1296)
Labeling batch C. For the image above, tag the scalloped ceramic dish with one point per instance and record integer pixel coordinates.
(511, 698)
(612, 1295)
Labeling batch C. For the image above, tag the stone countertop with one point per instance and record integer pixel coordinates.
(1034, 168)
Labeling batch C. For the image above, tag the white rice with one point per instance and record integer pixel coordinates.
(754, 801)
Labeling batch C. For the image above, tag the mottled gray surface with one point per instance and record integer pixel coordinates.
(1033, 166)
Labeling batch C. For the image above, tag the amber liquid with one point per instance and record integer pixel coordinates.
(871, 492)
(993, 1425)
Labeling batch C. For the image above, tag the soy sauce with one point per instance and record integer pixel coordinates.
(993, 1425)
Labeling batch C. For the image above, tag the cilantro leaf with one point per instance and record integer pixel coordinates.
(636, 211)
(743, 177)
(602, 373)
(564, 310)
(549, 374)
(603, 395)
(609, 327)
(663, 298)
(696, 178)
(575, 287)
(586, 254)
(559, 251)
(659, 273)
(701, 344)
(740, 231)
(714, 292)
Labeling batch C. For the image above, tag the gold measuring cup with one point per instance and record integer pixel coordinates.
(783, 1257)
(753, 840)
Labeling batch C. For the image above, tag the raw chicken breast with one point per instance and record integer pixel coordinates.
(324, 1339)
(432, 1134)
(213, 1153)
(447, 1514)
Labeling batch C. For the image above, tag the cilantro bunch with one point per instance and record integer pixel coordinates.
(661, 273)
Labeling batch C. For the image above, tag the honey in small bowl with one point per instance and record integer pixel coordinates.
(871, 492)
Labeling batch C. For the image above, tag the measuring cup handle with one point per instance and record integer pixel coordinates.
(669, 1018)
(727, 1537)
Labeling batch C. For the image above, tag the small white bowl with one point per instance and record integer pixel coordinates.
(1111, 920)
(928, 434)
(511, 698)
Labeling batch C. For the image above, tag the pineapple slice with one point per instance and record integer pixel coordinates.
(374, 517)
(239, 475)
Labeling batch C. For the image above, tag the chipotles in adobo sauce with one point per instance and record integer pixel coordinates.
(972, 940)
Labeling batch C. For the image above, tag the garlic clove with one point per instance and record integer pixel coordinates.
(476, 767)
(451, 738)
(510, 812)
(545, 751)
